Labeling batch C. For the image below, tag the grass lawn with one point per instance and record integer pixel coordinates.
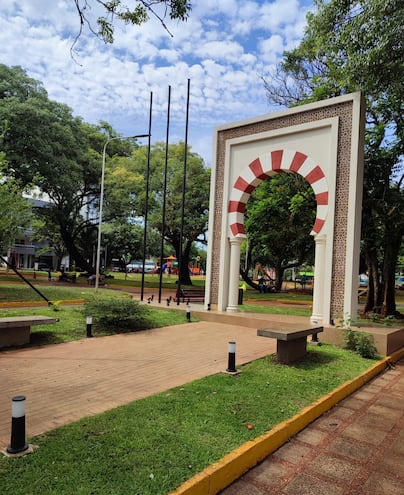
(72, 323)
(151, 446)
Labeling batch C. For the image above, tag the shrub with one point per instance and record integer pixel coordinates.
(360, 342)
(117, 313)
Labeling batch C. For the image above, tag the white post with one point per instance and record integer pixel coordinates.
(318, 317)
(234, 273)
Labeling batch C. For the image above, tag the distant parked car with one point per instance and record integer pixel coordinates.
(399, 283)
(137, 267)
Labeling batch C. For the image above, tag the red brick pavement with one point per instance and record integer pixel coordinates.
(357, 448)
(63, 383)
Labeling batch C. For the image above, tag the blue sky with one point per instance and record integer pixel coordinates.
(223, 48)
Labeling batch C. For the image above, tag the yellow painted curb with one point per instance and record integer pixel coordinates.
(30, 304)
(222, 473)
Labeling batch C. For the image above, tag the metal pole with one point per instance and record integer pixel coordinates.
(147, 198)
(97, 264)
(164, 196)
(183, 196)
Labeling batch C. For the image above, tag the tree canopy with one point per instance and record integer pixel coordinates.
(352, 45)
(280, 215)
(15, 210)
(47, 148)
(196, 199)
(134, 12)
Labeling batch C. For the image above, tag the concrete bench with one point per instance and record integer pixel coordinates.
(291, 343)
(16, 330)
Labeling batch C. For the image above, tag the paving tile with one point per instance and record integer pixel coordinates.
(312, 436)
(385, 411)
(397, 446)
(304, 484)
(292, 452)
(361, 432)
(379, 484)
(378, 421)
(390, 402)
(270, 472)
(244, 488)
(351, 449)
(353, 403)
(333, 467)
(392, 463)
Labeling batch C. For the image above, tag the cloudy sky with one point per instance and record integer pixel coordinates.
(223, 48)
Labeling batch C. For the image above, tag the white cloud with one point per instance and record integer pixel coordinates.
(223, 48)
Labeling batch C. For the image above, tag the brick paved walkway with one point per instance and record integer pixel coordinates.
(357, 448)
(65, 382)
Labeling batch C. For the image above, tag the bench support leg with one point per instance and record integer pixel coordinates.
(15, 336)
(291, 350)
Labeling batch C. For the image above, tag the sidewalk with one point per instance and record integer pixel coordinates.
(357, 448)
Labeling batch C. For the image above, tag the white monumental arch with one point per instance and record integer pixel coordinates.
(324, 143)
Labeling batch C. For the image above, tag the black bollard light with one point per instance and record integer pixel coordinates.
(17, 443)
(89, 324)
(231, 367)
(188, 311)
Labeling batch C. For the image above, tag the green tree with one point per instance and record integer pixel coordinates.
(196, 201)
(46, 147)
(279, 218)
(134, 12)
(14, 208)
(124, 241)
(349, 46)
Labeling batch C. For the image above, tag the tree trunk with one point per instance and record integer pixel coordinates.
(75, 254)
(391, 250)
(183, 275)
(373, 284)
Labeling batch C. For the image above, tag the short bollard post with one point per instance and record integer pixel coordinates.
(188, 311)
(89, 323)
(231, 367)
(17, 443)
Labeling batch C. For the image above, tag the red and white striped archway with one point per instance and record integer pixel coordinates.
(263, 167)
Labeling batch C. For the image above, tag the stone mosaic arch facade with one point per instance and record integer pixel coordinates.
(323, 142)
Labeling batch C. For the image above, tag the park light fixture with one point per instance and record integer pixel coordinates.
(97, 265)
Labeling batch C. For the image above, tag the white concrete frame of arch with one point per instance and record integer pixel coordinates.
(321, 141)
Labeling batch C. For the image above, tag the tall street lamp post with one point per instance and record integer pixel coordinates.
(97, 264)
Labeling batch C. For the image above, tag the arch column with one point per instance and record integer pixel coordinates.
(234, 271)
(317, 317)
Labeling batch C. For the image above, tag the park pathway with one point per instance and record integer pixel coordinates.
(65, 382)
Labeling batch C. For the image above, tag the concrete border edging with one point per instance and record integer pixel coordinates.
(233, 465)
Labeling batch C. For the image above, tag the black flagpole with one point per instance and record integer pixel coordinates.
(183, 196)
(147, 198)
(164, 195)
